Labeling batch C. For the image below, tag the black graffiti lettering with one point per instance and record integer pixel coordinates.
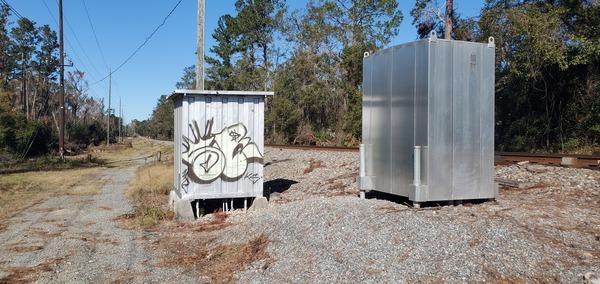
(234, 135)
(206, 165)
(185, 182)
(208, 130)
(253, 177)
(213, 155)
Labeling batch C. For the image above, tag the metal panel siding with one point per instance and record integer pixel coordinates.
(367, 102)
(487, 187)
(177, 169)
(436, 94)
(219, 144)
(421, 99)
(402, 112)
(381, 117)
(466, 122)
(440, 120)
(368, 120)
(257, 168)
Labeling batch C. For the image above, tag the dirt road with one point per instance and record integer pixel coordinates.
(77, 239)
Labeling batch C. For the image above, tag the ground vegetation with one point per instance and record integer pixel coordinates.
(30, 95)
(547, 67)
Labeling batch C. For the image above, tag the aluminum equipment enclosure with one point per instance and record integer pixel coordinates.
(428, 121)
(219, 144)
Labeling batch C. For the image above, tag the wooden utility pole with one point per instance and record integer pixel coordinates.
(24, 99)
(108, 120)
(61, 126)
(120, 119)
(200, 48)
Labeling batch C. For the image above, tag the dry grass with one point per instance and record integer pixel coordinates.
(220, 263)
(46, 234)
(124, 276)
(150, 190)
(22, 190)
(312, 165)
(24, 274)
(19, 191)
(17, 248)
(219, 217)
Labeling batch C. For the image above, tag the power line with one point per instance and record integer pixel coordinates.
(94, 33)
(18, 14)
(12, 9)
(142, 45)
(82, 49)
(71, 46)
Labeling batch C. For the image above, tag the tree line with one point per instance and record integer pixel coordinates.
(547, 71)
(547, 94)
(311, 58)
(29, 94)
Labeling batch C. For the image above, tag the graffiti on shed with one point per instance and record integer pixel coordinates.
(225, 154)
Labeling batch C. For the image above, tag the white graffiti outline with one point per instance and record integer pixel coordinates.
(224, 155)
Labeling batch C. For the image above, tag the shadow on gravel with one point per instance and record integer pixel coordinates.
(208, 206)
(277, 185)
(405, 201)
(276, 161)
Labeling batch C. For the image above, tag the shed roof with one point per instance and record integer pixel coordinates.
(178, 93)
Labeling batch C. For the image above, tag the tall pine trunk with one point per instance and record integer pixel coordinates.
(448, 20)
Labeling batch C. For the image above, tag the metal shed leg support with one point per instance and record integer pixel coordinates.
(364, 182)
(197, 209)
(418, 192)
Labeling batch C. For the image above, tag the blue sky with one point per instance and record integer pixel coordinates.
(118, 28)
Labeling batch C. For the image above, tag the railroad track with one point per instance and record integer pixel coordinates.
(311, 147)
(577, 161)
(568, 160)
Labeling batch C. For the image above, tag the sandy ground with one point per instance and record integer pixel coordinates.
(78, 239)
(316, 230)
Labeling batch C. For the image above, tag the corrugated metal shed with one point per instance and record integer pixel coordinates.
(219, 144)
(428, 121)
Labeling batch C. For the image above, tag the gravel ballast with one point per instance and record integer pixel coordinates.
(319, 231)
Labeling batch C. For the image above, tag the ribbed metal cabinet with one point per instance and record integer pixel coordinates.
(219, 144)
(428, 121)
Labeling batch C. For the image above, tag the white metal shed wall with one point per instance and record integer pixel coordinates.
(219, 144)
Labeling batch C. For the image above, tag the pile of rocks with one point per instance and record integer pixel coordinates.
(545, 230)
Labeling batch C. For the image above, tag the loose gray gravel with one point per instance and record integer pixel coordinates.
(319, 231)
(75, 239)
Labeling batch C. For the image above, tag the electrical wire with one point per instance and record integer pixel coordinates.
(84, 53)
(81, 62)
(94, 33)
(17, 13)
(12, 9)
(31, 139)
(88, 71)
(142, 45)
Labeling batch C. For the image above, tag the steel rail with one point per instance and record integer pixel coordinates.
(312, 147)
(568, 160)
